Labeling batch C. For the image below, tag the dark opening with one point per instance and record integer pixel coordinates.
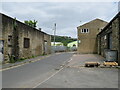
(74, 45)
(10, 41)
(2, 46)
(109, 41)
(84, 30)
(26, 42)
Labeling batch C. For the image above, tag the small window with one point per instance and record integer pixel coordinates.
(105, 37)
(87, 30)
(9, 41)
(26, 42)
(84, 30)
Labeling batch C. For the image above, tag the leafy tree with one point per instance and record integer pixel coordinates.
(31, 23)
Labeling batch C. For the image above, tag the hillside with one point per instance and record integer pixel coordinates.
(64, 39)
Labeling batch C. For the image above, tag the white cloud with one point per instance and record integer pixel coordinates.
(66, 15)
(60, 0)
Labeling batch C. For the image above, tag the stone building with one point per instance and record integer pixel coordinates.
(87, 35)
(20, 40)
(109, 37)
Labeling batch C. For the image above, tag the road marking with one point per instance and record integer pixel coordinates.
(70, 60)
(51, 75)
(48, 78)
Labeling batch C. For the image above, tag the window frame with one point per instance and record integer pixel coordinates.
(85, 30)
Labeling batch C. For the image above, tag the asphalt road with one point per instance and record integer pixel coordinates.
(75, 75)
(31, 75)
(63, 70)
(83, 78)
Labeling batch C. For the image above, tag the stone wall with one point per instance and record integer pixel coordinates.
(112, 28)
(1, 27)
(88, 43)
(17, 35)
(7, 29)
(47, 44)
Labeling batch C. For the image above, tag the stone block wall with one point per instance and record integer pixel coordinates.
(112, 28)
(17, 35)
(88, 41)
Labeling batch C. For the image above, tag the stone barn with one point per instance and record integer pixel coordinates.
(87, 35)
(19, 40)
(109, 37)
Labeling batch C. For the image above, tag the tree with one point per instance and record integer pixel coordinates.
(31, 23)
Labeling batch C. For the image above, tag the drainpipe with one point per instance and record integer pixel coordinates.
(119, 38)
(54, 33)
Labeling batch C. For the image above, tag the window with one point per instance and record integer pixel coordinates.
(26, 42)
(9, 41)
(84, 30)
(87, 31)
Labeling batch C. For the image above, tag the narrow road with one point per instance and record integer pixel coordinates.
(31, 75)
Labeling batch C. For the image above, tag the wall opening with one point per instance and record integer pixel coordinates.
(9, 41)
(110, 41)
(45, 47)
(1, 49)
(26, 42)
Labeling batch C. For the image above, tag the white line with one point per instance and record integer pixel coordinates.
(70, 60)
(48, 78)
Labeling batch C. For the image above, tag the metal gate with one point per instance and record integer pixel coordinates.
(1, 50)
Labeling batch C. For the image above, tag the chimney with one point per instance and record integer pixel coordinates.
(39, 29)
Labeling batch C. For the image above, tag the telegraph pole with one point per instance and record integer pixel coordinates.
(54, 32)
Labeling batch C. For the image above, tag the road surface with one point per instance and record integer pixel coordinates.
(30, 75)
(65, 70)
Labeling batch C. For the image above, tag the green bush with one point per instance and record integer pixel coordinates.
(11, 58)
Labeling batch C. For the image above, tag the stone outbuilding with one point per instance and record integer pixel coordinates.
(20, 40)
(109, 37)
(87, 36)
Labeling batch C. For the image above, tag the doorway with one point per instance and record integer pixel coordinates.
(110, 41)
(1, 50)
(45, 47)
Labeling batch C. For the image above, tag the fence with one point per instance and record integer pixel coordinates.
(62, 49)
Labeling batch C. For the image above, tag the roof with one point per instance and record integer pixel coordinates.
(23, 23)
(118, 15)
(72, 43)
(97, 19)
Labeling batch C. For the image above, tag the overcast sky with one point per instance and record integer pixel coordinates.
(66, 15)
